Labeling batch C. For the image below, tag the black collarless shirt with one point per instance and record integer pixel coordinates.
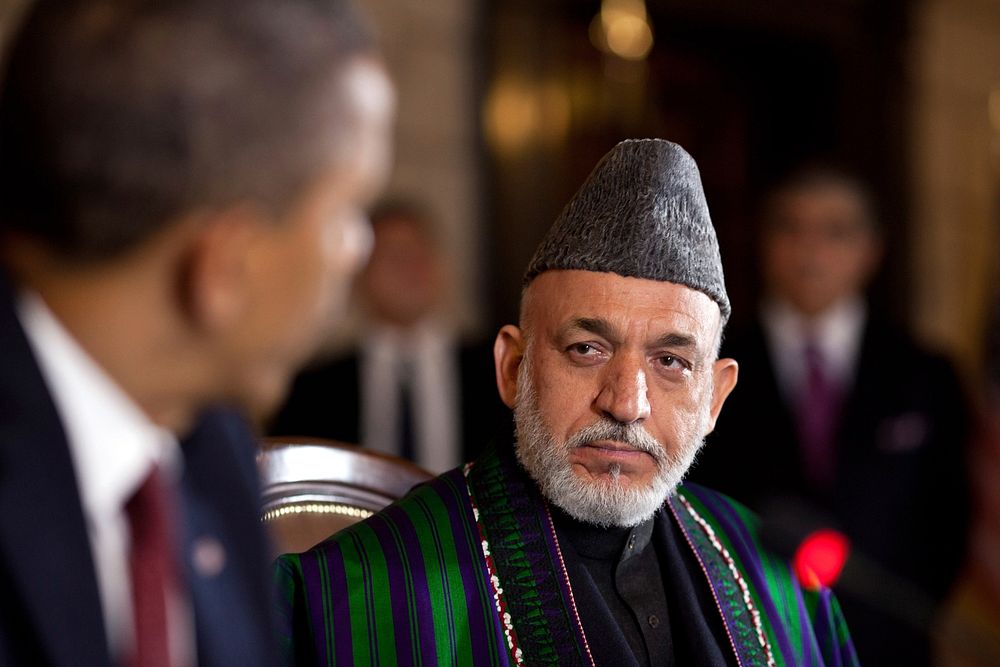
(641, 595)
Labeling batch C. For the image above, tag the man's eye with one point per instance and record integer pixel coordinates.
(585, 353)
(671, 362)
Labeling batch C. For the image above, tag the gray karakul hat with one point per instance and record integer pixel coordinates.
(641, 214)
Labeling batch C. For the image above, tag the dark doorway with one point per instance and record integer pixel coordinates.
(749, 88)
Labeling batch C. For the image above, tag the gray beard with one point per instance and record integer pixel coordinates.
(602, 503)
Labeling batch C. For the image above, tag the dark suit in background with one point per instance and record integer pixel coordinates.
(408, 360)
(325, 401)
(840, 415)
(899, 490)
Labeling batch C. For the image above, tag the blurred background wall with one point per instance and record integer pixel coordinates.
(9, 11)
(954, 74)
(505, 105)
(434, 51)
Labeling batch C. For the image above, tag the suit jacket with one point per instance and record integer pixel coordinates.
(325, 401)
(50, 610)
(900, 490)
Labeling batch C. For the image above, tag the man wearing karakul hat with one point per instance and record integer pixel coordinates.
(578, 545)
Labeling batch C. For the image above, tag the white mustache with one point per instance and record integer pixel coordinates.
(633, 435)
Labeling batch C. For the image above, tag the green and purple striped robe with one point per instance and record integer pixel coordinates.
(467, 570)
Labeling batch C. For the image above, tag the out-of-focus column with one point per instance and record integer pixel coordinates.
(955, 68)
(956, 254)
(433, 55)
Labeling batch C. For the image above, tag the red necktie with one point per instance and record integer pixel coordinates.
(154, 570)
(818, 413)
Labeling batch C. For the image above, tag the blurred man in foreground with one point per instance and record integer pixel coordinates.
(844, 414)
(577, 545)
(181, 195)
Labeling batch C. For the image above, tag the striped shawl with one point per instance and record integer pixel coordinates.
(467, 570)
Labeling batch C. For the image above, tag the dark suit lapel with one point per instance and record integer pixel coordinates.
(224, 545)
(758, 385)
(857, 418)
(44, 549)
(482, 415)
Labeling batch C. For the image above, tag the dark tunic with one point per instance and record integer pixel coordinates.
(618, 577)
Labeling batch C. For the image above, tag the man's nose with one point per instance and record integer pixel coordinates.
(624, 396)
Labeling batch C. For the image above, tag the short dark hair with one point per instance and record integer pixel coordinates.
(118, 116)
(413, 210)
(817, 175)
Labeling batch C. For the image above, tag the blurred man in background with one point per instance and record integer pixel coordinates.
(411, 388)
(841, 413)
(182, 187)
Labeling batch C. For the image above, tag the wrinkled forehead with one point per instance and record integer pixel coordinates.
(632, 306)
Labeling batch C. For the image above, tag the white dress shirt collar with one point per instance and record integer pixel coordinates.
(396, 345)
(837, 333)
(113, 446)
(429, 352)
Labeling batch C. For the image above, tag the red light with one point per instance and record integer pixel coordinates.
(820, 558)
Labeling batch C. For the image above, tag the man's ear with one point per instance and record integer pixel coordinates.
(724, 374)
(215, 281)
(508, 351)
